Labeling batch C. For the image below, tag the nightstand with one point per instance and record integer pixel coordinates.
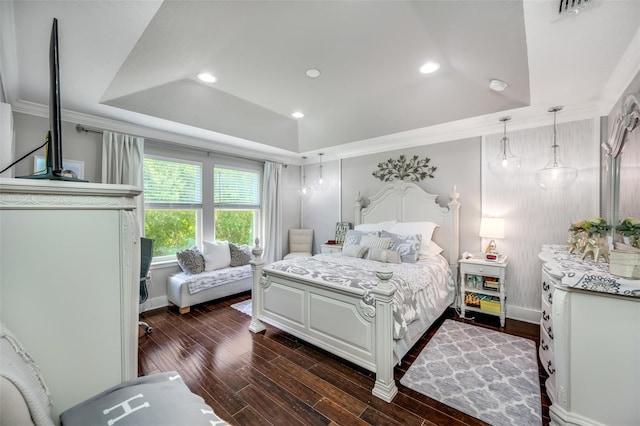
(483, 287)
(330, 248)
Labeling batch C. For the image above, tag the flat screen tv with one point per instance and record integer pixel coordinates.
(54, 169)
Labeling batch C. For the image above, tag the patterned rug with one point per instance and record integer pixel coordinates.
(487, 374)
(244, 307)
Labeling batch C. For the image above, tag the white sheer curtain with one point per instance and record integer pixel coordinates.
(271, 212)
(122, 158)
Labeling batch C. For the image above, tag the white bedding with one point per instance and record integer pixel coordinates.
(421, 287)
(209, 279)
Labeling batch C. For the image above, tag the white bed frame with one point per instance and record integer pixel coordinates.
(336, 319)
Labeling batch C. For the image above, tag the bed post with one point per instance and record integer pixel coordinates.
(454, 229)
(257, 264)
(385, 386)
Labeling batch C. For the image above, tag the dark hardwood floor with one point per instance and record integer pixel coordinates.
(271, 378)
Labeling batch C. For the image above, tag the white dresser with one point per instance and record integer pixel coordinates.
(69, 281)
(589, 341)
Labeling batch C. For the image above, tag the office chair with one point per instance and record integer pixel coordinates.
(146, 255)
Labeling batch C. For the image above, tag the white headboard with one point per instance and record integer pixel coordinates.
(407, 202)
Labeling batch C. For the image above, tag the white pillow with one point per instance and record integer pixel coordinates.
(408, 228)
(374, 227)
(434, 250)
(216, 255)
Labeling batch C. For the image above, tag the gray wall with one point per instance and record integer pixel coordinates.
(457, 164)
(31, 131)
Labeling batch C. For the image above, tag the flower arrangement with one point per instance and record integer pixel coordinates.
(592, 226)
(630, 227)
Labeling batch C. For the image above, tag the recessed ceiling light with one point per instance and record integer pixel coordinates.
(297, 114)
(497, 85)
(207, 77)
(429, 67)
(313, 73)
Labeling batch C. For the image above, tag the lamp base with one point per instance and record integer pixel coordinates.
(491, 247)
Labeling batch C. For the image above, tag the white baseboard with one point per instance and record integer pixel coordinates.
(524, 314)
(154, 303)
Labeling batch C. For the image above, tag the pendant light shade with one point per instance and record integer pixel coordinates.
(555, 175)
(505, 164)
(322, 182)
(305, 190)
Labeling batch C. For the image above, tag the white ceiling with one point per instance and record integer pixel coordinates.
(136, 61)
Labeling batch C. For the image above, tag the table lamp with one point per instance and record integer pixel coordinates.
(491, 227)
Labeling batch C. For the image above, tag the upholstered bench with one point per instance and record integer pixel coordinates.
(221, 269)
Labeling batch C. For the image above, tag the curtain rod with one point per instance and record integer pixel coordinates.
(80, 128)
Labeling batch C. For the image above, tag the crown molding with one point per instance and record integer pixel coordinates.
(192, 137)
(8, 53)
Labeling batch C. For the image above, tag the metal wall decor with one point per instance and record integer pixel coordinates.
(413, 169)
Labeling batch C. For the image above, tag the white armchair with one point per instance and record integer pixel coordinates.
(300, 243)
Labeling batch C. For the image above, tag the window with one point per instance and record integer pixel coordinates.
(236, 199)
(173, 204)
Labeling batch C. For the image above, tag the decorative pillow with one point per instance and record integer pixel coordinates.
(407, 245)
(374, 227)
(191, 260)
(390, 256)
(373, 241)
(216, 255)
(353, 237)
(434, 249)
(240, 255)
(355, 251)
(157, 399)
(426, 229)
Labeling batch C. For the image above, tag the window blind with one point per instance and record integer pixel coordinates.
(233, 188)
(172, 182)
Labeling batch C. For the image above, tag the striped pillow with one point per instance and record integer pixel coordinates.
(375, 242)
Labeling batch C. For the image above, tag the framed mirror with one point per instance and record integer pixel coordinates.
(623, 162)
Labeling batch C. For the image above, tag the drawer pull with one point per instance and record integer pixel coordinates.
(545, 316)
(550, 298)
(550, 332)
(545, 286)
(544, 346)
(550, 369)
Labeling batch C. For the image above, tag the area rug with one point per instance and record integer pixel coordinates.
(487, 374)
(244, 307)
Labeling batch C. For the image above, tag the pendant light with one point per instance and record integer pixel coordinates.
(505, 164)
(322, 183)
(305, 190)
(555, 175)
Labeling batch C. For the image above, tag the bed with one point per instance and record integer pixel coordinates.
(357, 319)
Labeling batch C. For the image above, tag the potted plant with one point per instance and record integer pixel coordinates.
(629, 229)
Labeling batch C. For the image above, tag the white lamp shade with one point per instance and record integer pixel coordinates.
(492, 227)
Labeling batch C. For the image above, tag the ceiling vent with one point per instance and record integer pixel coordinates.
(573, 7)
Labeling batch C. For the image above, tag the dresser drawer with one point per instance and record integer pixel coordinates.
(547, 287)
(547, 359)
(489, 270)
(546, 339)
